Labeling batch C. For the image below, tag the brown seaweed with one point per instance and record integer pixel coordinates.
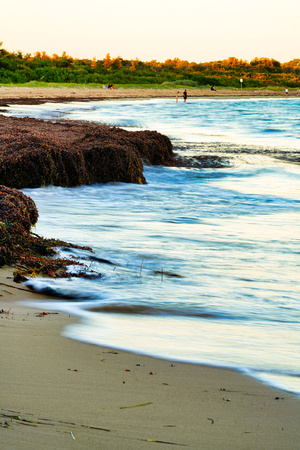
(35, 153)
(29, 253)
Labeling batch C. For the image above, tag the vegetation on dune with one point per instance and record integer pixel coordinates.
(17, 68)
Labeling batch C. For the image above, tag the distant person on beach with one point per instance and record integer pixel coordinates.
(286, 91)
(177, 96)
(184, 96)
(213, 88)
(111, 86)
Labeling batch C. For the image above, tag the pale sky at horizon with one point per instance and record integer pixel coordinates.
(191, 30)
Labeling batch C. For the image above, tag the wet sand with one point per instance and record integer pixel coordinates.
(60, 393)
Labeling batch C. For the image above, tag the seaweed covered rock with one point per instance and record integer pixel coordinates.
(17, 208)
(153, 147)
(19, 247)
(34, 153)
(112, 162)
(32, 161)
(17, 214)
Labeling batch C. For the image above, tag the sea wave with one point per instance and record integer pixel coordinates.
(230, 232)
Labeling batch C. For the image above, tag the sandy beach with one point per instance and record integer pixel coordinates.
(30, 95)
(59, 393)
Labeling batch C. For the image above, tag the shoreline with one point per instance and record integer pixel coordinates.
(39, 95)
(70, 393)
(60, 393)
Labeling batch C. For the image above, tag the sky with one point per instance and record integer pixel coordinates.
(192, 30)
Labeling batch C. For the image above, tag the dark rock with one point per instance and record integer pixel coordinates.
(18, 278)
(204, 161)
(101, 260)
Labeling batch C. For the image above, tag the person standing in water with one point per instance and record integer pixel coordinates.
(184, 95)
(177, 96)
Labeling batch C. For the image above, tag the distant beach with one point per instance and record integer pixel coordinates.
(33, 95)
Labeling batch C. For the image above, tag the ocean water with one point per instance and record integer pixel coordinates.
(205, 260)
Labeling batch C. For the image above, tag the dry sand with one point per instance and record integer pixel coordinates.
(10, 95)
(59, 394)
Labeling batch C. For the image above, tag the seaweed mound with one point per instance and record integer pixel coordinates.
(154, 148)
(34, 153)
(19, 247)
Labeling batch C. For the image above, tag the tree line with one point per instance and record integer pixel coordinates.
(19, 68)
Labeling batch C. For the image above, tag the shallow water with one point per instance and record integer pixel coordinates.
(206, 260)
